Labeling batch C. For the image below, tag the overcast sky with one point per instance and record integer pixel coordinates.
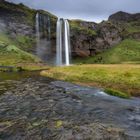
(91, 10)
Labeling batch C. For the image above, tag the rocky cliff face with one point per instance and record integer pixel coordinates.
(125, 17)
(128, 23)
(18, 21)
(87, 38)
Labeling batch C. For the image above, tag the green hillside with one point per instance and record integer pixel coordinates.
(11, 54)
(128, 51)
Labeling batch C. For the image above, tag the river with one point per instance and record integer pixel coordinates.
(39, 108)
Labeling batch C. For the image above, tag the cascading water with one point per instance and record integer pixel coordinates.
(63, 34)
(37, 30)
(59, 43)
(49, 28)
(44, 49)
(43, 38)
(67, 42)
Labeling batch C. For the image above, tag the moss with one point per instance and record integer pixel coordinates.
(76, 27)
(10, 55)
(25, 13)
(117, 93)
(59, 123)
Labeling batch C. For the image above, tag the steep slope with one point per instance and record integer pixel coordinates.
(128, 51)
(18, 23)
(116, 41)
(129, 23)
(17, 28)
(89, 38)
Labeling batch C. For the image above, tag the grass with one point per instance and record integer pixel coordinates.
(128, 51)
(11, 55)
(120, 77)
(11, 52)
(132, 27)
(117, 93)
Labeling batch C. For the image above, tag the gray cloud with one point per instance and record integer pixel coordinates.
(92, 10)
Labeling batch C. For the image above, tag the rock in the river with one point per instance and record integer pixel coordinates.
(41, 109)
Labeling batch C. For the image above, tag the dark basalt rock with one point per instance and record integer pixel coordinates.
(20, 19)
(124, 17)
(83, 44)
(87, 38)
(37, 108)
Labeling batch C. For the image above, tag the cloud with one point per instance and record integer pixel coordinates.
(93, 10)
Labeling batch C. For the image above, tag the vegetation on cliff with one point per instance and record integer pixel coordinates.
(11, 54)
(76, 26)
(26, 13)
(17, 37)
(128, 51)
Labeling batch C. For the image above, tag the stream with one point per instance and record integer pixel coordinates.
(33, 107)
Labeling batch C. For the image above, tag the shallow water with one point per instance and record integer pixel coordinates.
(17, 75)
(31, 106)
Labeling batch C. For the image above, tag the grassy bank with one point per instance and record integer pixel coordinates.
(13, 53)
(120, 77)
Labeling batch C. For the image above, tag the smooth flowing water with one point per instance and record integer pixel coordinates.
(49, 28)
(43, 38)
(59, 43)
(44, 48)
(63, 43)
(67, 42)
(37, 30)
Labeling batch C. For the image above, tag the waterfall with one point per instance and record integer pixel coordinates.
(49, 28)
(59, 43)
(44, 47)
(67, 42)
(37, 30)
(63, 34)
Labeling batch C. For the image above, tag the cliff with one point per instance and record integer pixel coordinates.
(87, 38)
(90, 39)
(18, 37)
(124, 17)
(17, 21)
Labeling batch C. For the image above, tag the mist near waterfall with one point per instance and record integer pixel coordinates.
(44, 49)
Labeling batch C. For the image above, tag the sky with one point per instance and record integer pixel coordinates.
(89, 10)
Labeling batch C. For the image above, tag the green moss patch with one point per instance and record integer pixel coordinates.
(117, 93)
(76, 27)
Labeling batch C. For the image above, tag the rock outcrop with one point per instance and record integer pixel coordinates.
(87, 38)
(19, 20)
(36, 108)
(125, 17)
(106, 34)
(90, 38)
